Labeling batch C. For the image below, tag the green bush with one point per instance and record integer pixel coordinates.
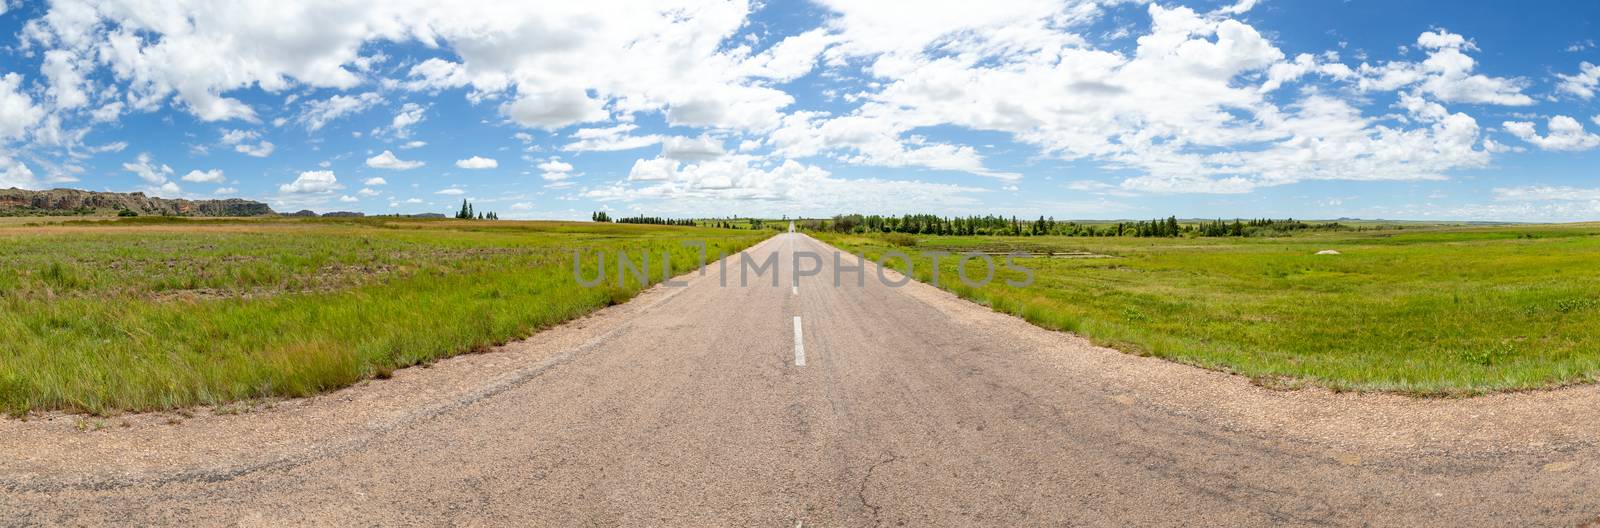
(900, 239)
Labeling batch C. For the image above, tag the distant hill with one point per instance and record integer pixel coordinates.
(59, 202)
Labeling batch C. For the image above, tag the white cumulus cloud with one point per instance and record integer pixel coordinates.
(1564, 133)
(18, 113)
(319, 113)
(387, 160)
(555, 170)
(1581, 84)
(477, 162)
(208, 176)
(410, 114)
(312, 182)
(682, 188)
(1182, 101)
(14, 173)
(605, 139)
(245, 142)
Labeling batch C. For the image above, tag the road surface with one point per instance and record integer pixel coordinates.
(815, 405)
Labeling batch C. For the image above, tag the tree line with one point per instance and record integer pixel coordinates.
(601, 216)
(656, 220)
(466, 213)
(723, 223)
(996, 225)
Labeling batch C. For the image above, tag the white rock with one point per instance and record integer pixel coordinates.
(1328, 252)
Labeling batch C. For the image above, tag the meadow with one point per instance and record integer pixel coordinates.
(143, 314)
(1437, 311)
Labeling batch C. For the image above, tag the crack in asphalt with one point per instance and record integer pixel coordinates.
(861, 493)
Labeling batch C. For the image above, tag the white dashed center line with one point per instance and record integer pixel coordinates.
(795, 289)
(799, 344)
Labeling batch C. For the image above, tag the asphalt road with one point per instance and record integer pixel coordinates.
(898, 407)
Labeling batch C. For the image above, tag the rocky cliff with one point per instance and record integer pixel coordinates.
(20, 202)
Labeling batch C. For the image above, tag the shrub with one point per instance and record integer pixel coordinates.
(900, 239)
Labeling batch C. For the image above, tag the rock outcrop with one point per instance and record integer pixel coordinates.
(21, 202)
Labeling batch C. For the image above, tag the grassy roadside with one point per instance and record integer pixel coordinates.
(133, 316)
(1448, 311)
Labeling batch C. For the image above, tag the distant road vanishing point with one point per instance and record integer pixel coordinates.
(817, 405)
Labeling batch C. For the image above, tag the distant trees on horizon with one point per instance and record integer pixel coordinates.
(996, 225)
(466, 213)
(656, 220)
(602, 216)
(722, 223)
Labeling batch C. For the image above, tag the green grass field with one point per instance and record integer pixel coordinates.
(1430, 311)
(153, 313)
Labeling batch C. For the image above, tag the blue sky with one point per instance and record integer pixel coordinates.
(1075, 109)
